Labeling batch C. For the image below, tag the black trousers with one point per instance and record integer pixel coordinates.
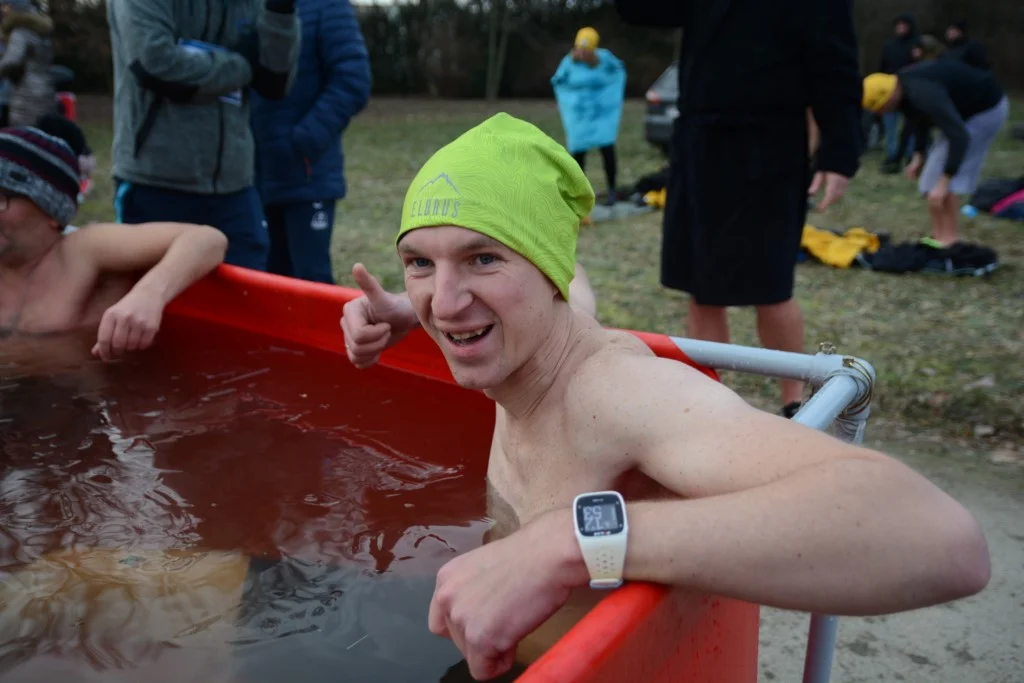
(610, 167)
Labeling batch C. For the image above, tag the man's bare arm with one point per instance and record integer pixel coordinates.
(173, 256)
(774, 512)
(176, 255)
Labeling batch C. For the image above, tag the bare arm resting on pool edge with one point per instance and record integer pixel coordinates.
(769, 511)
(175, 255)
(779, 513)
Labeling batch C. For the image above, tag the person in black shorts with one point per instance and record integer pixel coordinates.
(738, 190)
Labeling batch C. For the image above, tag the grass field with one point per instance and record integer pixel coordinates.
(947, 350)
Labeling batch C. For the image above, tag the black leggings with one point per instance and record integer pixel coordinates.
(608, 155)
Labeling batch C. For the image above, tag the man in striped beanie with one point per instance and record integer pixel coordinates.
(119, 277)
(42, 168)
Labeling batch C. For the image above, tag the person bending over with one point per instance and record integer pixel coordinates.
(968, 107)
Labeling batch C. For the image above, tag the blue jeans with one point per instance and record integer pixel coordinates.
(239, 215)
(300, 240)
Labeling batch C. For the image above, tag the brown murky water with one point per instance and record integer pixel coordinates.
(227, 508)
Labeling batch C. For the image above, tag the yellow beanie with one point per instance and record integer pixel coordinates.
(878, 88)
(587, 38)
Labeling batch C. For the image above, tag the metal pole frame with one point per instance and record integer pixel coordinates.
(842, 388)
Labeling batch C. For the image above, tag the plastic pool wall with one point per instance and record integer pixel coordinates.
(641, 632)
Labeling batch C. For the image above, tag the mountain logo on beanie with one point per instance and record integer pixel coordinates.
(435, 199)
(445, 178)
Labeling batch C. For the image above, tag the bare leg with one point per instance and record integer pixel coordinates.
(944, 220)
(781, 327)
(708, 323)
(938, 216)
(951, 209)
(581, 294)
(813, 134)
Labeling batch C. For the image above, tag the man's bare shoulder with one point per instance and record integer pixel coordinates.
(97, 232)
(80, 250)
(77, 246)
(624, 389)
(626, 366)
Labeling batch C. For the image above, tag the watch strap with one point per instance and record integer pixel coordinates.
(605, 559)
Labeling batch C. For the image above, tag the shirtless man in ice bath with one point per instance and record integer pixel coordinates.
(721, 497)
(116, 279)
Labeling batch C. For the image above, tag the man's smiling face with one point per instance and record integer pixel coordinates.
(487, 307)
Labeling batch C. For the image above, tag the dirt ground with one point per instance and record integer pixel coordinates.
(978, 640)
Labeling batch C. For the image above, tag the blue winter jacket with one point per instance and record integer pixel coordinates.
(298, 139)
(590, 100)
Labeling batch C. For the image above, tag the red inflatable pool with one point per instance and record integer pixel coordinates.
(638, 633)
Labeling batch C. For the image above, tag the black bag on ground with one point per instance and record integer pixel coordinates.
(652, 182)
(962, 258)
(992, 191)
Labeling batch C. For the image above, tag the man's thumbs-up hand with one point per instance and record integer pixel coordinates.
(374, 321)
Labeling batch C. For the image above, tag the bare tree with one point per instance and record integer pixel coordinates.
(499, 24)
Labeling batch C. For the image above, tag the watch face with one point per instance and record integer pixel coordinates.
(599, 515)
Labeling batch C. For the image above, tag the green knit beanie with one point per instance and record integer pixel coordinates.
(508, 180)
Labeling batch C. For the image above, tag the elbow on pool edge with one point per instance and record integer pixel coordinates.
(218, 240)
(969, 568)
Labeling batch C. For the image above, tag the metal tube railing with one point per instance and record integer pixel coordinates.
(828, 403)
(781, 364)
(841, 400)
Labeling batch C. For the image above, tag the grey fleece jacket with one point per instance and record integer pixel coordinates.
(172, 127)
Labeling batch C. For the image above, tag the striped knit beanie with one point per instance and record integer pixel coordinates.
(42, 168)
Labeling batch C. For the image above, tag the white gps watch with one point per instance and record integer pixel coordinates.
(601, 529)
